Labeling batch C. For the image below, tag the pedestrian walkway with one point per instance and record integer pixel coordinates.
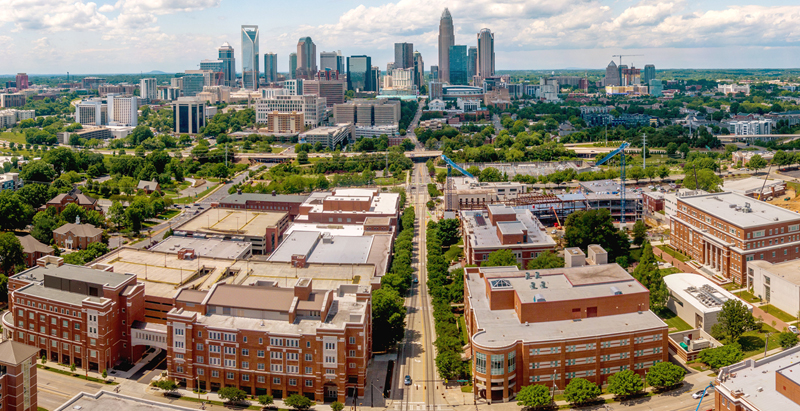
(769, 319)
(143, 362)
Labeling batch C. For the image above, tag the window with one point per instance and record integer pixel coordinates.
(179, 356)
(329, 359)
(260, 379)
(309, 357)
(200, 359)
(292, 369)
(480, 363)
(179, 331)
(293, 382)
(229, 376)
(214, 373)
(275, 355)
(245, 377)
(330, 345)
(260, 353)
(497, 364)
(199, 347)
(245, 364)
(200, 371)
(351, 353)
(512, 361)
(308, 370)
(276, 380)
(260, 366)
(214, 361)
(276, 367)
(309, 383)
(276, 341)
(352, 340)
(230, 350)
(757, 234)
(292, 343)
(230, 363)
(179, 369)
(245, 351)
(330, 371)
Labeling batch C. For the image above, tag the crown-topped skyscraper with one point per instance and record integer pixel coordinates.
(446, 40)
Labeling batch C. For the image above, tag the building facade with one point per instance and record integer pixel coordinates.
(358, 74)
(331, 90)
(226, 54)
(250, 55)
(306, 58)
(189, 114)
(77, 236)
(447, 39)
(458, 65)
(485, 56)
(310, 106)
(270, 67)
(18, 388)
(148, 89)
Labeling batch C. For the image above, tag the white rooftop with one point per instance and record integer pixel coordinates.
(755, 380)
(702, 293)
(204, 247)
(751, 185)
(731, 208)
(485, 235)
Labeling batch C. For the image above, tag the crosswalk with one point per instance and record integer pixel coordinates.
(418, 406)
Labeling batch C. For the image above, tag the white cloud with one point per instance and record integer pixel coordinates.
(167, 6)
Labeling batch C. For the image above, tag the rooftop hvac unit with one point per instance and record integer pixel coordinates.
(533, 286)
(527, 276)
(615, 290)
(544, 285)
(538, 298)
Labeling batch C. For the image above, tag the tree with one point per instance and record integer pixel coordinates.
(722, 356)
(665, 374)
(72, 367)
(672, 148)
(545, 260)
(165, 384)
(534, 396)
(580, 391)
(448, 362)
(15, 212)
(639, 232)
(36, 195)
(735, 318)
(491, 174)
(500, 258)
(388, 317)
(38, 171)
(267, 399)
(11, 254)
(231, 394)
(116, 214)
(757, 162)
(625, 383)
(584, 228)
(684, 149)
(44, 222)
(448, 231)
(299, 402)
(787, 339)
(706, 180)
(337, 406)
(104, 374)
(648, 274)
(302, 157)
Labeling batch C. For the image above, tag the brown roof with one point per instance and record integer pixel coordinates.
(191, 296)
(252, 297)
(13, 352)
(31, 245)
(80, 230)
(147, 185)
(80, 198)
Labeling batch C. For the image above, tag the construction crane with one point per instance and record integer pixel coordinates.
(626, 55)
(451, 164)
(621, 152)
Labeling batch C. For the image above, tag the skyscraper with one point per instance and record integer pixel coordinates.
(447, 39)
(649, 74)
(359, 74)
(22, 81)
(306, 58)
(292, 65)
(612, 75)
(270, 67)
(403, 55)
(228, 64)
(331, 60)
(250, 57)
(458, 65)
(485, 65)
(148, 89)
(472, 60)
(375, 75)
(419, 69)
(434, 73)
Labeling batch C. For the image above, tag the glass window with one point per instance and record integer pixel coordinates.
(497, 364)
(480, 363)
(512, 361)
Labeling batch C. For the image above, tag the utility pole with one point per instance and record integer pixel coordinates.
(644, 150)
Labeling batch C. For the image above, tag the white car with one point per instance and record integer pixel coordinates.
(699, 394)
(793, 329)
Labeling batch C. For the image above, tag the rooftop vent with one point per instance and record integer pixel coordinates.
(533, 286)
(527, 276)
(615, 290)
(538, 276)
(538, 298)
(746, 208)
(543, 284)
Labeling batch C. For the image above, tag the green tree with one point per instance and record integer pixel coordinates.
(448, 231)
(664, 375)
(491, 174)
(735, 318)
(11, 252)
(116, 214)
(534, 396)
(639, 232)
(231, 394)
(44, 222)
(104, 374)
(267, 399)
(581, 391)
(625, 383)
(299, 402)
(584, 228)
(388, 317)
(787, 339)
(38, 171)
(757, 162)
(500, 258)
(302, 157)
(16, 214)
(684, 149)
(706, 180)
(672, 148)
(722, 356)
(36, 195)
(649, 275)
(449, 363)
(337, 406)
(165, 385)
(545, 260)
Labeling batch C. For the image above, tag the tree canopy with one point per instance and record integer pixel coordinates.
(584, 228)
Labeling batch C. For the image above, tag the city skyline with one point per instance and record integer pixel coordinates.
(134, 36)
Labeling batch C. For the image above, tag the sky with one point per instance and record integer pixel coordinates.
(132, 36)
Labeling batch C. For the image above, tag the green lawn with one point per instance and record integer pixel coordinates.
(672, 320)
(731, 286)
(453, 254)
(752, 342)
(668, 271)
(17, 138)
(75, 374)
(674, 253)
(747, 296)
(778, 313)
(192, 199)
(166, 215)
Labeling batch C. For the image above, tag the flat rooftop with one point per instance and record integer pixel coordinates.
(730, 207)
(380, 204)
(75, 272)
(485, 235)
(788, 270)
(330, 249)
(603, 186)
(699, 291)
(232, 222)
(204, 247)
(752, 184)
(340, 230)
(243, 198)
(753, 375)
(40, 291)
(107, 400)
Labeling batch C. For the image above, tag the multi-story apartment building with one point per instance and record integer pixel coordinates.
(724, 231)
(12, 100)
(9, 118)
(122, 88)
(18, 389)
(148, 89)
(266, 339)
(278, 122)
(759, 385)
(123, 111)
(312, 108)
(501, 227)
(91, 112)
(550, 326)
(74, 314)
(363, 112)
(22, 81)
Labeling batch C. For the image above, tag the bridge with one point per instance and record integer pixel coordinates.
(416, 156)
(752, 138)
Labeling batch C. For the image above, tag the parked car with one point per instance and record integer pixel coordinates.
(407, 380)
(793, 329)
(700, 394)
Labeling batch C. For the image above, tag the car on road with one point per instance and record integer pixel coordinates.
(416, 280)
(793, 329)
(701, 394)
(407, 380)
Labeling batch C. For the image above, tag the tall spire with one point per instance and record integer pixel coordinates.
(446, 39)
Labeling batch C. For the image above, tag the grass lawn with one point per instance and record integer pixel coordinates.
(752, 342)
(166, 215)
(222, 404)
(75, 374)
(17, 138)
(747, 296)
(463, 324)
(674, 253)
(668, 271)
(453, 254)
(276, 150)
(778, 313)
(672, 320)
(731, 286)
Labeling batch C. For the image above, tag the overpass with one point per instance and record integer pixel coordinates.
(416, 156)
(752, 138)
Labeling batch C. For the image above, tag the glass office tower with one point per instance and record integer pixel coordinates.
(459, 71)
(250, 57)
(359, 76)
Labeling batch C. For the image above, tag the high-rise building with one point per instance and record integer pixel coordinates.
(333, 90)
(375, 75)
(292, 65)
(193, 84)
(359, 74)
(123, 111)
(457, 57)
(189, 114)
(612, 75)
(228, 64)
(485, 66)
(332, 60)
(306, 58)
(434, 73)
(649, 74)
(447, 39)
(211, 65)
(472, 61)
(403, 55)
(249, 57)
(148, 90)
(419, 69)
(389, 68)
(403, 79)
(22, 81)
(270, 67)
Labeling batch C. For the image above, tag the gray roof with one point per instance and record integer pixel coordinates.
(730, 207)
(107, 400)
(483, 234)
(80, 230)
(204, 247)
(341, 250)
(36, 290)
(75, 272)
(753, 376)
(31, 245)
(245, 197)
(147, 185)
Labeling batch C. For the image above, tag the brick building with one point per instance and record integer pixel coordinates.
(550, 326)
(272, 340)
(33, 249)
(264, 229)
(724, 231)
(74, 196)
(760, 385)
(77, 236)
(501, 227)
(264, 202)
(74, 314)
(349, 206)
(18, 387)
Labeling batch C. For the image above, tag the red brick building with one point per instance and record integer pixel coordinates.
(349, 206)
(550, 326)
(760, 385)
(74, 314)
(266, 339)
(724, 231)
(33, 249)
(74, 196)
(77, 236)
(18, 388)
(653, 201)
(287, 203)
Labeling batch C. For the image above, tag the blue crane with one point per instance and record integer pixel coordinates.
(621, 152)
(451, 164)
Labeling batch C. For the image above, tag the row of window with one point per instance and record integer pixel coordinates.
(588, 373)
(278, 342)
(592, 346)
(246, 377)
(50, 308)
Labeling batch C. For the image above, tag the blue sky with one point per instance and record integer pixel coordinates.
(129, 36)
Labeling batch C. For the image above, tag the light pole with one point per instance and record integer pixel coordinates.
(766, 343)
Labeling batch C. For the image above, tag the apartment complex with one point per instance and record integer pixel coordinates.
(363, 112)
(12, 100)
(760, 385)
(266, 339)
(278, 122)
(724, 231)
(311, 107)
(74, 314)
(550, 326)
(9, 118)
(91, 112)
(501, 227)
(18, 389)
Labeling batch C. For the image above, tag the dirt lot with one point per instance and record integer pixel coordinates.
(792, 204)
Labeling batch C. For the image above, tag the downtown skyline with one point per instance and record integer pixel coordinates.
(133, 36)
